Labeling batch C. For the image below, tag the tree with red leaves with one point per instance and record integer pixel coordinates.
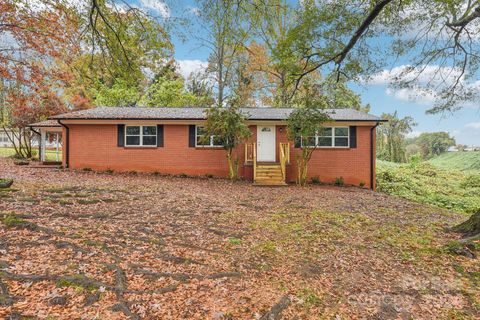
(37, 38)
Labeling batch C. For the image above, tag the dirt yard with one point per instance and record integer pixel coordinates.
(85, 245)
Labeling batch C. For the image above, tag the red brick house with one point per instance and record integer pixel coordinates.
(169, 140)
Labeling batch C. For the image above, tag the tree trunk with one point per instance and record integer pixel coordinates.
(302, 165)
(471, 227)
(470, 231)
(232, 166)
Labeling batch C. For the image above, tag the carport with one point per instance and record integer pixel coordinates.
(49, 134)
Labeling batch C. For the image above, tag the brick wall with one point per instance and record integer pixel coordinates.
(95, 146)
(352, 164)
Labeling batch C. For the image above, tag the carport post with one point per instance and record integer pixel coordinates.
(43, 142)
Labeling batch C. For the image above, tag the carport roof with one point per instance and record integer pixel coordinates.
(46, 123)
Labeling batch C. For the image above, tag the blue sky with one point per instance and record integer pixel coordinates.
(464, 125)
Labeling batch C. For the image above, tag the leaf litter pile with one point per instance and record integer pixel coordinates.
(85, 245)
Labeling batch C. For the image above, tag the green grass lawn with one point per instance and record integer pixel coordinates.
(50, 154)
(463, 161)
(427, 183)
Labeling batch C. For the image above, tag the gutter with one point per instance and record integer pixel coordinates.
(204, 118)
(67, 142)
(372, 157)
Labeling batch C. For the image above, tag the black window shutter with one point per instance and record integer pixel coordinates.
(191, 136)
(353, 136)
(159, 135)
(120, 135)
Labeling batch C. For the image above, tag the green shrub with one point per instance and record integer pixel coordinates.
(425, 183)
(316, 180)
(338, 181)
(426, 169)
(11, 220)
(415, 159)
(387, 176)
(362, 184)
(471, 181)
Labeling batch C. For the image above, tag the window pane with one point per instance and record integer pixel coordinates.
(133, 140)
(325, 132)
(149, 140)
(324, 142)
(150, 130)
(133, 130)
(217, 141)
(341, 132)
(341, 142)
(202, 141)
(309, 142)
(200, 131)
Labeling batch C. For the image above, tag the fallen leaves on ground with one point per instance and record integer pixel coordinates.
(84, 245)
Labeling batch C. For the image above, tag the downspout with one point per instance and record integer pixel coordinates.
(372, 157)
(39, 143)
(67, 142)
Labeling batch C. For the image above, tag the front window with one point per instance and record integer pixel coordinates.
(203, 140)
(141, 136)
(341, 137)
(329, 137)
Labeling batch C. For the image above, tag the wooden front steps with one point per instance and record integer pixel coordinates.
(269, 175)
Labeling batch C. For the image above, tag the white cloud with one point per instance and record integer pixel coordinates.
(158, 6)
(186, 67)
(415, 94)
(473, 125)
(422, 84)
(432, 74)
(194, 10)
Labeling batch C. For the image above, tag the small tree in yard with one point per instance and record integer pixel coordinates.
(302, 125)
(228, 124)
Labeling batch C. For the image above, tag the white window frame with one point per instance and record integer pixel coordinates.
(211, 145)
(141, 135)
(332, 146)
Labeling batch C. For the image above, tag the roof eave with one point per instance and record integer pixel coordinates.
(197, 119)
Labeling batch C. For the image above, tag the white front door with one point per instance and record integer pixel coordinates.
(266, 143)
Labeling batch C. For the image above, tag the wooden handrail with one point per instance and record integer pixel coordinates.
(284, 158)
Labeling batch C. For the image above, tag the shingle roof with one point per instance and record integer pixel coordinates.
(142, 113)
(46, 123)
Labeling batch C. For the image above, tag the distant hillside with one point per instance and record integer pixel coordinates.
(463, 161)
